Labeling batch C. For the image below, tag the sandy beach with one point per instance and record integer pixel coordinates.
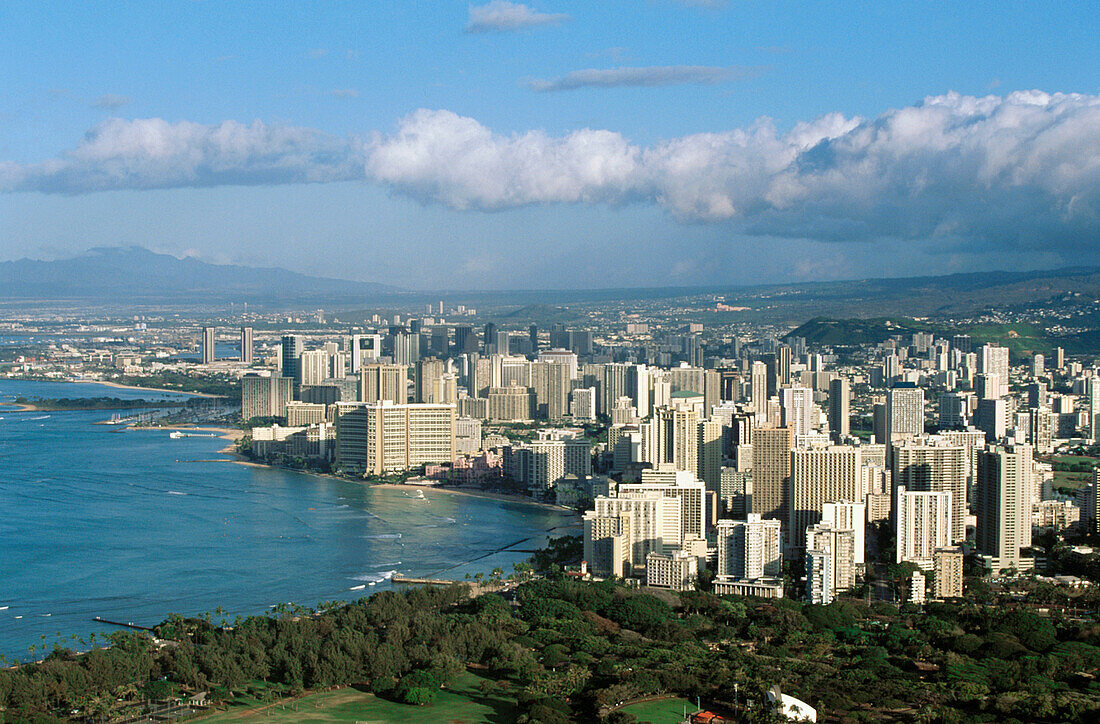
(474, 492)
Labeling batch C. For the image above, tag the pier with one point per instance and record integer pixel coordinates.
(100, 619)
(424, 581)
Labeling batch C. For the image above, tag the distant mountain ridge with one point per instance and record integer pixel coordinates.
(135, 273)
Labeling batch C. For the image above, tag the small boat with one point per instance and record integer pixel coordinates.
(175, 434)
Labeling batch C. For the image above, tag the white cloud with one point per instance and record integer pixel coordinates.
(1022, 170)
(153, 153)
(438, 155)
(641, 77)
(111, 101)
(500, 15)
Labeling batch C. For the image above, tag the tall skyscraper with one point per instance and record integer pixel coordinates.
(671, 438)
(1093, 408)
(750, 557)
(263, 396)
(247, 345)
(904, 412)
(292, 352)
(771, 471)
(820, 476)
(798, 410)
(759, 385)
(922, 524)
(839, 545)
(313, 366)
(379, 382)
(840, 400)
(208, 354)
(1004, 506)
(935, 464)
(993, 359)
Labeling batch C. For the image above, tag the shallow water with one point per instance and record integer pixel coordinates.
(125, 525)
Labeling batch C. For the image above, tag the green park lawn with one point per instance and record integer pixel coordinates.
(665, 711)
(460, 703)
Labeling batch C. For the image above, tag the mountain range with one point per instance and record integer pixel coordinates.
(133, 273)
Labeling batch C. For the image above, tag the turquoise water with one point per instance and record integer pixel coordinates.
(133, 525)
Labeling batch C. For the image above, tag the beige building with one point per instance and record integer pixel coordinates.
(947, 573)
(304, 413)
(1004, 507)
(265, 396)
(749, 552)
(608, 544)
(678, 570)
(686, 518)
(771, 471)
(385, 437)
(380, 382)
(646, 514)
(820, 476)
(514, 403)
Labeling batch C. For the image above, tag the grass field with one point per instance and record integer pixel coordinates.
(665, 711)
(460, 703)
(1071, 480)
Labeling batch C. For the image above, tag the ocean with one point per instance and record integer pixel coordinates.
(131, 525)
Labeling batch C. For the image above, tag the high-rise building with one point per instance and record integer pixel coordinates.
(819, 574)
(247, 345)
(904, 412)
(993, 359)
(798, 410)
(671, 438)
(1092, 425)
(683, 522)
(313, 366)
(584, 404)
(840, 399)
(292, 352)
(922, 524)
(551, 382)
(1004, 506)
(709, 446)
(425, 373)
(383, 437)
(608, 544)
(839, 544)
(759, 386)
(992, 418)
(820, 476)
(263, 396)
(934, 464)
(849, 515)
(381, 382)
(513, 403)
(208, 354)
(947, 573)
(543, 462)
(750, 558)
(954, 411)
(771, 471)
(643, 531)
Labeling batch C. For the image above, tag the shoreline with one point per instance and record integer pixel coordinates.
(476, 493)
(120, 386)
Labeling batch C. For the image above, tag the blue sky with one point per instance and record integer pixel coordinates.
(553, 143)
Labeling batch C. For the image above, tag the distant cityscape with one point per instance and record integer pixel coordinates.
(758, 463)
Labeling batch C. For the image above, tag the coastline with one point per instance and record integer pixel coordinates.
(476, 493)
(120, 386)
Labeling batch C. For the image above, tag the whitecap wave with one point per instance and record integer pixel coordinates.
(383, 536)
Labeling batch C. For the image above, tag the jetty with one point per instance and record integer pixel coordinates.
(424, 581)
(100, 619)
